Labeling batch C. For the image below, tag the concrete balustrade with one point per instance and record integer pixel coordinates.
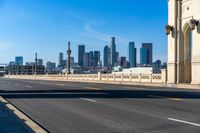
(135, 78)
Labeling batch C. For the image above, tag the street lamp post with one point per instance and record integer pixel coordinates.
(68, 61)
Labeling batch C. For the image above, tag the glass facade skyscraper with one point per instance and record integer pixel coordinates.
(106, 56)
(132, 52)
(96, 58)
(149, 47)
(143, 56)
(113, 53)
(81, 52)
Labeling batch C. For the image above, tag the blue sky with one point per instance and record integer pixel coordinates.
(45, 26)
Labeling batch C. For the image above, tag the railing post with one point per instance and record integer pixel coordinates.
(99, 76)
(140, 77)
(130, 77)
(121, 77)
(164, 75)
(151, 77)
(114, 76)
(66, 75)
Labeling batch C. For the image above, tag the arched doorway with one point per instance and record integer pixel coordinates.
(187, 55)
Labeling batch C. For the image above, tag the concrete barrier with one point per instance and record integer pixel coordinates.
(132, 78)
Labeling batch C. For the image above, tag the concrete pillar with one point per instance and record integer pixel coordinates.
(180, 56)
(172, 42)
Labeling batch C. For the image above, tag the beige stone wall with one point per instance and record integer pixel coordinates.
(134, 78)
(189, 9)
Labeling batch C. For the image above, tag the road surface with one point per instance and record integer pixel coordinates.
(69, 107)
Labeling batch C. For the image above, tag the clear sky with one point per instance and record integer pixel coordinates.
(45, 26)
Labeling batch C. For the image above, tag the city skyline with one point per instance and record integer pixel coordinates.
(104, 58)
(75, 22)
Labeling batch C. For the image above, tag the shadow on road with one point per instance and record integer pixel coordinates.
(152, 94)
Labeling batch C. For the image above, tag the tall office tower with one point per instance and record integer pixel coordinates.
(106, 56)
(116, 57)
(40, 62)
(86, 58)
(60, 62)
(81, 52)
(96, 58)
(143, 56)
(132, 54)
(113, 58)
(19, 60)
(135, 52)
(149, 47)
(91, 59)
(122, 61)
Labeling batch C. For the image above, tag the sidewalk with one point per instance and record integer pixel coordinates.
(10, 123)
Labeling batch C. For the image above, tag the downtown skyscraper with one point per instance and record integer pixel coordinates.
(96, 58)
(146, 54)
(106, 56)
(81, 52)
(113, 52)
(149, 47)
(132, 54)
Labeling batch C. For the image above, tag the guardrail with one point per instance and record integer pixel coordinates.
(140, 78)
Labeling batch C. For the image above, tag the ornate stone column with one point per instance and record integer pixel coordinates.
(179, 43)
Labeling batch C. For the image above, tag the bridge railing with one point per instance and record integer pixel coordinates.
(137, 78)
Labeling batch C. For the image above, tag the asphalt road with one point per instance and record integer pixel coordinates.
(67, 107)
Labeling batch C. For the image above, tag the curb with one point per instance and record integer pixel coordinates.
(20, 115)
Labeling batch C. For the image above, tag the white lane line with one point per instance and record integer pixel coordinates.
(90, 100)
(28, 86)
(60, 84)
(186, 122)
(92, 88)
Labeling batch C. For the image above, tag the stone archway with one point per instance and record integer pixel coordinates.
(187, 54)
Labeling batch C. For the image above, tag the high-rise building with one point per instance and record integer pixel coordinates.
(122, 61)
(19, 60)
(40, 62)
(113, 54)
(132, 52)
(81, 53)
(106, 56)
(143, 56)
(61, 58)
(149, 47)
(91, 59)
(86, 58)
(96, 58)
